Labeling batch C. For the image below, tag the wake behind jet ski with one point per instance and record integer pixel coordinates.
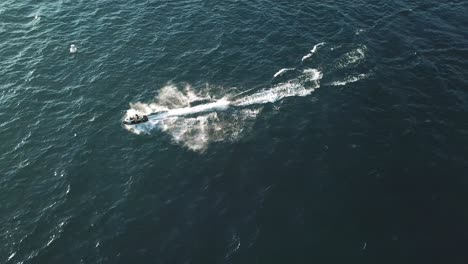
(133, 120)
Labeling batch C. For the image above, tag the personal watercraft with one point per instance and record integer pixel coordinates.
(135, 120)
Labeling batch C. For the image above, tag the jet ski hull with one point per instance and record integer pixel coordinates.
(135, 122)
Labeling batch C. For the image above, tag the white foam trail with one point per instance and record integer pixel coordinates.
(280, 91)
(282, 71)
(196, 127)
(169, 97)
(313, 50)
(218, 105)
(350, 79)
(170, 102)
(274, 94)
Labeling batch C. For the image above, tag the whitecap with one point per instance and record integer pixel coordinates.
(52, 239)
(11, 256)
(73, 48)
(317, 46)
(313, 50)
(307, 56)
(282, 71)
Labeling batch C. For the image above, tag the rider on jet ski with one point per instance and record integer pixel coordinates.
(135, 120)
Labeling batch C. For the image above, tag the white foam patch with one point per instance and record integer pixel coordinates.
(197, 132)
(295, 87)
(312, 51)
(350, 79)
(274, 94)
(280, 72)
(192, 126)
(352, 57)
(221, 104)
(73, 48)
(313, 75)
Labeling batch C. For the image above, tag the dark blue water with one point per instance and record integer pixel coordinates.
(279, 131)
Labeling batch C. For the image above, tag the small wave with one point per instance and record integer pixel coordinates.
(11, 256)
(282, 71)
(52, 239)
(233, 246)
(312, 51)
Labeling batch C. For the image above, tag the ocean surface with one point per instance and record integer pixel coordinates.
(280, 131)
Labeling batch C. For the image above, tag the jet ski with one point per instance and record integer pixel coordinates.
(133, 120)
